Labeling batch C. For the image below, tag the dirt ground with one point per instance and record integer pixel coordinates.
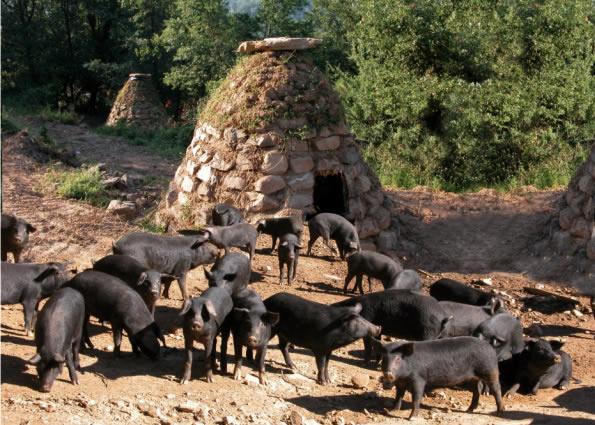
(464, 236)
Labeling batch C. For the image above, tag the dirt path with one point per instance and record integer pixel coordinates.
(478, 234)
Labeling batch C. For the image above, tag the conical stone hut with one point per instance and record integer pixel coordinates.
(273, 139)
(138, 104)
(574, 224)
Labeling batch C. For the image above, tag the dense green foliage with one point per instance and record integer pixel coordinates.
(84, 184)
(451, 94)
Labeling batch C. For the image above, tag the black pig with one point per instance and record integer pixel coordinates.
(279, 226)
(402, 314)
(58, 335)
(503, 332)
(145, 281)
(319, 327)
(15, 235)
(452, 290)
(333, 226)
(373, 265)
(232, 272)
(226, 215)
(203, 318)
(415, 366)
(288, 254)
(172, 255)
(466, 318)
(251, 327)
(27, 284)
(242, 235)
(110, 299)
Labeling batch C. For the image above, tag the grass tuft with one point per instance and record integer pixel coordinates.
(84, 184)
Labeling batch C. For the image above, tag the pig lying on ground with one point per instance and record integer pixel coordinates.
(319, 327)
(58, 335)
(172, 255)
(15, 235)
(242, 235)
(333, 226)
(28, 284)
(203, 318)
(145, 281)
(251, 327)
(466, 318)
(415, 366)
(452, 290)
(226, 215)
(402, 314)
(231, 272)
(540, 365)
(288, 254)
(110, 299)
(503, 332)
(279, 226)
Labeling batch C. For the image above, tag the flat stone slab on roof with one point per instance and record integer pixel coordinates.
(278, 43)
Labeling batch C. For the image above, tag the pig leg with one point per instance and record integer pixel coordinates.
(5, 255)
(284, 347)
(281, 263)
(166, 289)
(182, 283)
(313, 238)
(71, 369)
(86, 339)
(295, 264)
(290, 272)
(76, 347)
(367, 350)
(348, 279)
(369, 284)
(416, 395)
(188, 343)
(494, 385)
(223, 354)
(327, 242)
(512, 390)
(237, 348)
(358, 284)
(399, 394)
(326, 375)
(29, 308)
(260, 356)
(117, 331)
(321, 364)
(17, 255)
(208, 358)
(252, 247)
(475, 398)
(274, 238)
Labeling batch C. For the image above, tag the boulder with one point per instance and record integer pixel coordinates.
(586, 184)
(581, 228)
(218, 163)
(301, 182)
(234, 183)
(124, 209)
(328, 166)
(387, 241)
(187, 184)
(205, 173)
(300, 200)
(328, 143)
(261, 203)
(301, 164)
(274, 163)
(367, 228)
(567, 216)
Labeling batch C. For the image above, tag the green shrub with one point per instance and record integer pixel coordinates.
(65, 117)
(84, 184)
(171, 142)
(148, 225)
(8, 127)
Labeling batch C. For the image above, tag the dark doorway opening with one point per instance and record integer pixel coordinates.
(330, 194)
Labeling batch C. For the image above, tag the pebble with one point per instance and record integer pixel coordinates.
(360, 380)
(295, 418)
(229, 420)
(170, 396)
(577, 313)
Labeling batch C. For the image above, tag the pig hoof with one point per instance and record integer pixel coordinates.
(210, 379)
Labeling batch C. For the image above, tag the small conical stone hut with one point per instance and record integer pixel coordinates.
(574, 225)
(138, 104)
(273, 139)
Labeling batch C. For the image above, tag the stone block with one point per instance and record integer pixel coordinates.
(261, 203)
(171, 198)
(274, 163)
(328, 166)
(188, 184)
(362, 184)
(295, 145)
(234, 183)
(581, 228)
(586, 184)
(382, 217)
(269, 184)
(183, 199)
(124, 209)
(328, 143)
(219, 163)
(567, 216)
(205, 173)
(301, 182)
(387, 241)
(349, 155)
(191, 167)
(301, 164)
(243, 163)
(367, 228)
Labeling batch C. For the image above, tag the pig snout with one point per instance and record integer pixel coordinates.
(375, 331)
(45, 387)
(196, 326)
(252, 341)
(388, 377)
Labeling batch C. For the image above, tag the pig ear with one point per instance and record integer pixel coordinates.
(34, 360)
(230, 277)
(186, 307)
(189, 232)
(495, 305)
(208, 274)
(141, 279)
(556, 345)
(50, 270)
(167, 278)
(298, 245)
(378, 345)
(240, 312)
(444, 326)
(31, 228)
(406, 349)
(211, 309)
(497, 341)
(284, 243)
(356, 309)
(197, 243)
(270, 318)
(59, 358)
